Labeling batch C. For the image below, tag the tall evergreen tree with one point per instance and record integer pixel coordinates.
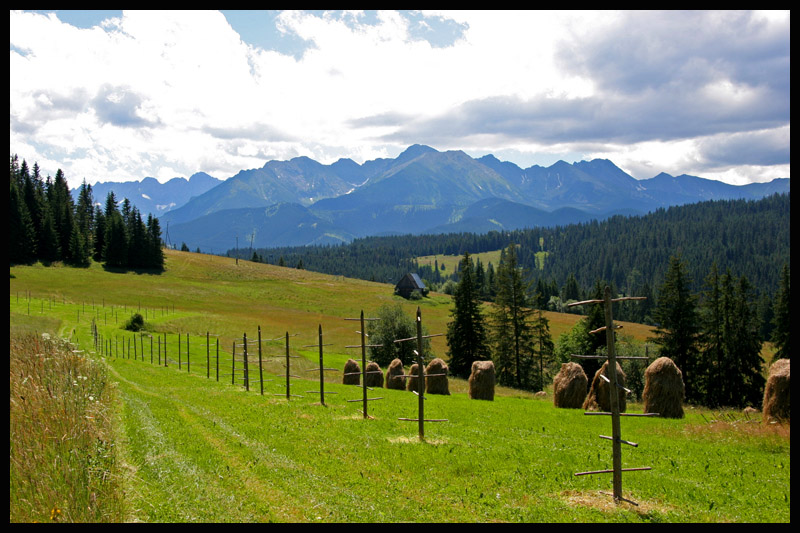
(155, 253)
(21, 229)
(743, 369)
(780, 321)
(510, 326)
(84, 215)
(49, 248)
(62, 208)
(543, 348)
(709, 370)
(466, 333)
(99, 237)
(677, 326)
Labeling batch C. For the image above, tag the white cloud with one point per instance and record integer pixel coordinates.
(172, 93)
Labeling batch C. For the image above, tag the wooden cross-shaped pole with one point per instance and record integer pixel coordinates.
(616, 436)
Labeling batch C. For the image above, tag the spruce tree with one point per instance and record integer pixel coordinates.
(543, 348)
(780, 320)
(466, 333)
(677, 326)
(156, 254)
(21, 230)
(510, 325)
(709, 370)
(743, 375)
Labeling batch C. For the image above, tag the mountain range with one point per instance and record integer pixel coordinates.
(423, 190)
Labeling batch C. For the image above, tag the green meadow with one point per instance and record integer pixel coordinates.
(170, 442)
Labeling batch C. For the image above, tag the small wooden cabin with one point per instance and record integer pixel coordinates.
(408, 284)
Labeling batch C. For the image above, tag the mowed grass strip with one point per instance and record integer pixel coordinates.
(195, 444)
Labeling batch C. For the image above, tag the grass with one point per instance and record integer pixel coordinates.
(191, 449)
(62, 463)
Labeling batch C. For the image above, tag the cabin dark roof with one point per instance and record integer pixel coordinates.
(410, 281)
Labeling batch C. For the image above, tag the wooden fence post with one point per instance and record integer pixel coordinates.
(260, 367)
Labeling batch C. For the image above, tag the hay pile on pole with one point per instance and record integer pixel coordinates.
(663, 389)
(412, 383)
(599, 397)
(435, 382)
(776, 393)
(569, 386)
(373, 377)
(352, 373)
(394, 375)
(482, 380)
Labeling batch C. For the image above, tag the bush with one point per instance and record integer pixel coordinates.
(135, 323)
(394, 324)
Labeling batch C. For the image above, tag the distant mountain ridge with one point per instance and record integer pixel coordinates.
(423, 190)
(152, 196)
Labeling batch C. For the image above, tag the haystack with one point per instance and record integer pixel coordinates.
(599, 397)
(481, 381)
(435, 383)
(663, 389)
(394, 375)
(350, 376)
(373, 377)
(569, 386)
(776, 393)
(412, 383)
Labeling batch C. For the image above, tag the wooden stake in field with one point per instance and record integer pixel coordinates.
(421, 378)
(616, 437)
(321, 369)
(363, 372)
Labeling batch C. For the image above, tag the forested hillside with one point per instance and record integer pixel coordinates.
(749, 237)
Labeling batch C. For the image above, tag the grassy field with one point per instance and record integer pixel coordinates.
(189, 448)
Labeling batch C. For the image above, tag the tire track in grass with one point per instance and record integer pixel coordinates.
(172, 472)
(217, 481)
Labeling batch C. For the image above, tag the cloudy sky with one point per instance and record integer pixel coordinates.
(117, 96)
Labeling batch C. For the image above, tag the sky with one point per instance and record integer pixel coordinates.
(123, 95)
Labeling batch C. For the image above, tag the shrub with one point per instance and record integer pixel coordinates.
(135, 323)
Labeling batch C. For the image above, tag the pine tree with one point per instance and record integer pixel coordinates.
(115, 240)
(99, 237)
(21, 229)
(466, 333)
(743, 370)
(78, 251)
(780, 320)
(49, 250)
(677, 324)
(84, 215)
(156, 254)
(510, 326)
(709, 370)
(543, 348)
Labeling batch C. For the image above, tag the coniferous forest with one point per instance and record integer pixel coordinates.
(47, 225)
(751, 238)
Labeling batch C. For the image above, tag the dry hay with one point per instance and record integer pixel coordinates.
(351, 367)
(437, 384)
(776, 393)
(394, 375)
(412, 383)
(373, 376)
(540, 394)
(599, 397)
(482, 380)
(569, 386)
(663, 389)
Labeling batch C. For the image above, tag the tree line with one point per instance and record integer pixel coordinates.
(751, 237)
(48, 226)
(713, 336)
